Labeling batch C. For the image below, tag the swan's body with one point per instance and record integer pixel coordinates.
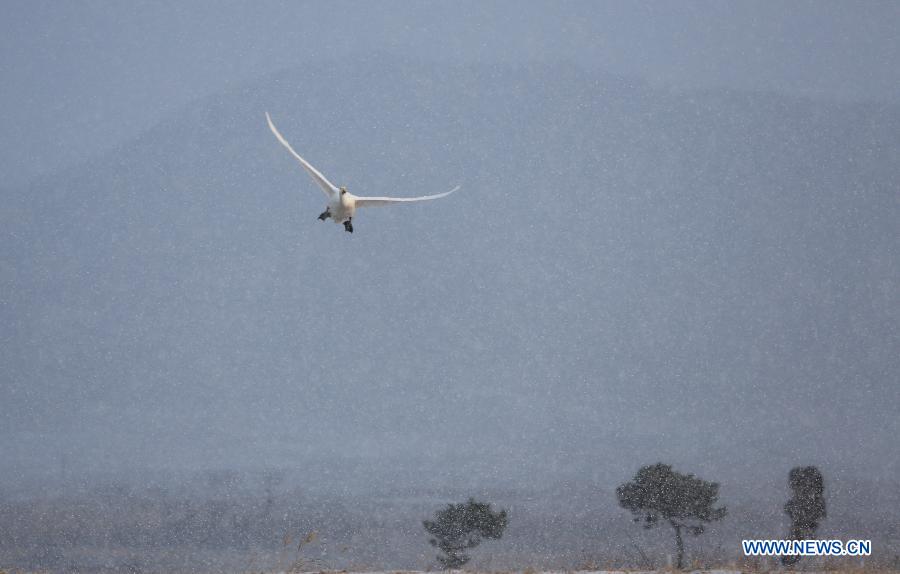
(341, 203)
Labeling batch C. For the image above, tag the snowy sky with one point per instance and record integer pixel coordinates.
(676, 240)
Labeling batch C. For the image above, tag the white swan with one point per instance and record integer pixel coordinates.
(341, 203)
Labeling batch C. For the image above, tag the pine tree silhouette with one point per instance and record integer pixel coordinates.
(683, 500)
(806, 508)
(459, 527)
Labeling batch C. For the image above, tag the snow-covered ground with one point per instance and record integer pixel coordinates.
(529, 571)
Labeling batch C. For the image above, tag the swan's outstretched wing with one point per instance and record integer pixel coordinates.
(328, 187)
(373, 201)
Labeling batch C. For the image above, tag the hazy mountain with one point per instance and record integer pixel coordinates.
(626, 275)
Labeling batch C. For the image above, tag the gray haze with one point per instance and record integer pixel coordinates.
(676, 240)
(81, 77)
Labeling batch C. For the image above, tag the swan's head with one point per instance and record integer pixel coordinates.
(343, 190)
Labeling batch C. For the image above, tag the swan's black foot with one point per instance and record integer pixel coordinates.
(324, 215)
(348, 226)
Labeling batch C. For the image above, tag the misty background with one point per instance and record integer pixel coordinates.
(676, 240)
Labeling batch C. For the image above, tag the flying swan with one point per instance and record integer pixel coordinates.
(341, 203)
